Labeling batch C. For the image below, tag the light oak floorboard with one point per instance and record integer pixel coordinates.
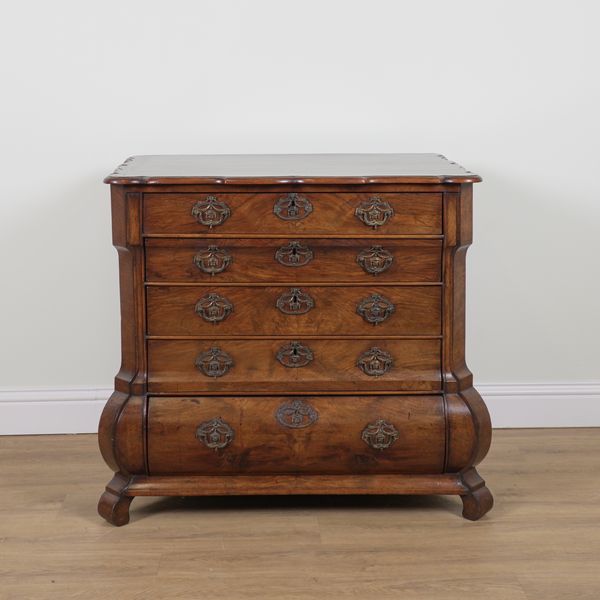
(541, 540)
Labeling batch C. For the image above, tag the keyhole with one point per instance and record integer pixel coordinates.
(294, 302)
(293, 208)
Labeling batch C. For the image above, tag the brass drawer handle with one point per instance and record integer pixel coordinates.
(214, 362)
(295, 302)
(375, 260)
(379, 435)
(294, 255)
(374, 212)
(296, 414)
(294, 355)
(215, 434)
(375, 309)
(213, 308)
(211, 211)
(213, 260)
(293, 207)
(375, 362)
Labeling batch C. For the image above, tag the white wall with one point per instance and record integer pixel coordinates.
(510, 89)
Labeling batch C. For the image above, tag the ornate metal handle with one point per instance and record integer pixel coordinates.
(213, 308)
(294, 255)
(215, 434)
(213, 260)
(375, 362)
(379, 435)
(375, 259)
(296, 414)
(375, 309)
(294, 355)
(214, 362)
(293, 207)
(295, 302)
(211, 211)
(374, 212)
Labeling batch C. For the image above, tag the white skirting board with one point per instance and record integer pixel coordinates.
(576, 404)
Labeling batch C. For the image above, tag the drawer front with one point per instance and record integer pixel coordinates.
(293, 213)
(293, 260)
(307, 310)
(326, 435)
(303, 365)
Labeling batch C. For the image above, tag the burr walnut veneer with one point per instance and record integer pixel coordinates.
(292, 325)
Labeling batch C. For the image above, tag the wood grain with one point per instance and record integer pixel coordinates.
(171, 311)
(295, 485)
(124, 410)
(289, 169)
(331, 213)
(540, 542)
(253, 261)
(458, 379)
(330, 445)
(162, 258)
(172, 370)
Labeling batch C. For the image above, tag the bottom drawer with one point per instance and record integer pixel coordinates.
(297, 434)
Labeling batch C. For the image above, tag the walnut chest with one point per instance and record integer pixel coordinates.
(292, 324)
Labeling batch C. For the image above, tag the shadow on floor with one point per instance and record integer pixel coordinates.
(289, 503)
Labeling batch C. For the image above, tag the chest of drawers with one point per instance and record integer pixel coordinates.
(292, 325)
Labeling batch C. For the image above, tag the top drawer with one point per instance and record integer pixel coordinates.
(291, 213)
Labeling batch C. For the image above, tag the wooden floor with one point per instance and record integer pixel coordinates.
(541, 541)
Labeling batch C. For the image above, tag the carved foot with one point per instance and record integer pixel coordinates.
(114, 504)
(477, 499)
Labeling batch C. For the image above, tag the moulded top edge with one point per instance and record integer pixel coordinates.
(288, 169)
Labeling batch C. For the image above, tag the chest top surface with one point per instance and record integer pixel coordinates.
(274, 169)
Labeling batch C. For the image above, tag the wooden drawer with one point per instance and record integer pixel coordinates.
(253, 365)
(315, 213)
(270, 435)
(307, 310)
(294, 260)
